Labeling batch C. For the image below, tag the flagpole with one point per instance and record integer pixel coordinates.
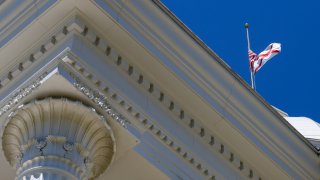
(251, 74)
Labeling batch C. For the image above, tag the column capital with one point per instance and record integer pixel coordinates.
(55, 135)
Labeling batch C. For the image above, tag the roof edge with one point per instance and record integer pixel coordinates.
(183, 27)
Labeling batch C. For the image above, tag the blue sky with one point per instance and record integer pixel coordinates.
(290, 80)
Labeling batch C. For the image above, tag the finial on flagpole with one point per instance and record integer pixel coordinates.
(247, 30)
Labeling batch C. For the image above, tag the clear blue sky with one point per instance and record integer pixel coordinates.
(289, 81)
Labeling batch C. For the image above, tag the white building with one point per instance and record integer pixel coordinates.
(113, 89)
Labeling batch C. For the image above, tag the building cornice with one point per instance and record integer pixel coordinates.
(213, 91)
(214, 85)
(151, 87)
(17, 15)
(79, 27)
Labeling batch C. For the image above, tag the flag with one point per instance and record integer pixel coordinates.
(257, 61)
(252, 58)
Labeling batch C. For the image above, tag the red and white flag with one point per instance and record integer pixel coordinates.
(257, 61)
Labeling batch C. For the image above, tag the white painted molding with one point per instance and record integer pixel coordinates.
(215, 87)
(212, 89)
(78, 27)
